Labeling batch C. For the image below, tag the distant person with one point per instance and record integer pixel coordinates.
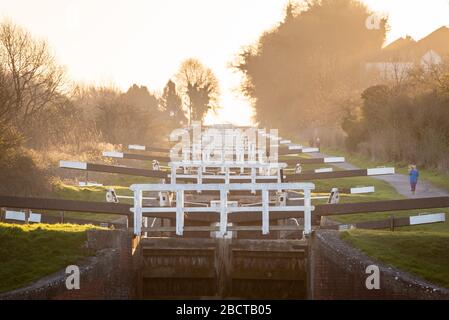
(414, 175)
(317, 142)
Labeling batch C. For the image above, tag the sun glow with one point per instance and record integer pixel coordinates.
(144, 42)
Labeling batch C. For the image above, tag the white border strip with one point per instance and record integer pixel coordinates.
(358, 190)
(136, 147)
(310, 150)
(15, 215)
(73, 165)
(113, 154)
(428, 218)
(35, 217)
(89, 184)
(379, 171)
(322, 170)
(334, 159)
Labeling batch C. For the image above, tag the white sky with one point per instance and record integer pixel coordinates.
(144, 41)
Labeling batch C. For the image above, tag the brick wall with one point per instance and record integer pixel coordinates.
(338, 271)
(108, 274)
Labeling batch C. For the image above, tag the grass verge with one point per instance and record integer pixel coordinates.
(97, 194)
(422, 253)
(30, 252)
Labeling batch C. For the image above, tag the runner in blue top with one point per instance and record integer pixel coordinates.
(414, 174)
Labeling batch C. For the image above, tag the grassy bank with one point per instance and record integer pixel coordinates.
(422, 253)
(120, 183)
(30, 252)
(97, 194)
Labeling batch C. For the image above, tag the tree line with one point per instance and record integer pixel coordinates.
(298, 74)
(43, 113)
(406, 122)
(307, 77)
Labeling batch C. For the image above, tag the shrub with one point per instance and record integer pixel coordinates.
(19, 173)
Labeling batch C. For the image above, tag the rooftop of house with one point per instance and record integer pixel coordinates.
(408, 50)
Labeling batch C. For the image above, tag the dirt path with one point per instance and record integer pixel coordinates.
(400, 182)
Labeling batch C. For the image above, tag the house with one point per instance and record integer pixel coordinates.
(395, 60)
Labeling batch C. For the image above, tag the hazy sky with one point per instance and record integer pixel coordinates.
(123, 42)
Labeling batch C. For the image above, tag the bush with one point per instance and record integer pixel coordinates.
(19, 173)
(402, 124)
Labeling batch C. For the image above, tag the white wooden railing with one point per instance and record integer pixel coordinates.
(223, 209)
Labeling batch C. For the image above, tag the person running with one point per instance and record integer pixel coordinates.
(414, 175)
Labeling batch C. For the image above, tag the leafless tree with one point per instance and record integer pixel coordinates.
(6, 105)
(199, 88)
(29, 74)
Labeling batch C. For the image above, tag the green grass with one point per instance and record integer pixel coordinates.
(423, 253)
(30, 252)
(310, 167)
(69, 192)
(98, 194)
(375, 216)
(120, 183)
(126, 180)
(383, 190)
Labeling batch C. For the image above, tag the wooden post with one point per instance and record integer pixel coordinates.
(223, 265)
(130, 222)
(27, 215)
(163, 223)
(392, 222)
(62, 216)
